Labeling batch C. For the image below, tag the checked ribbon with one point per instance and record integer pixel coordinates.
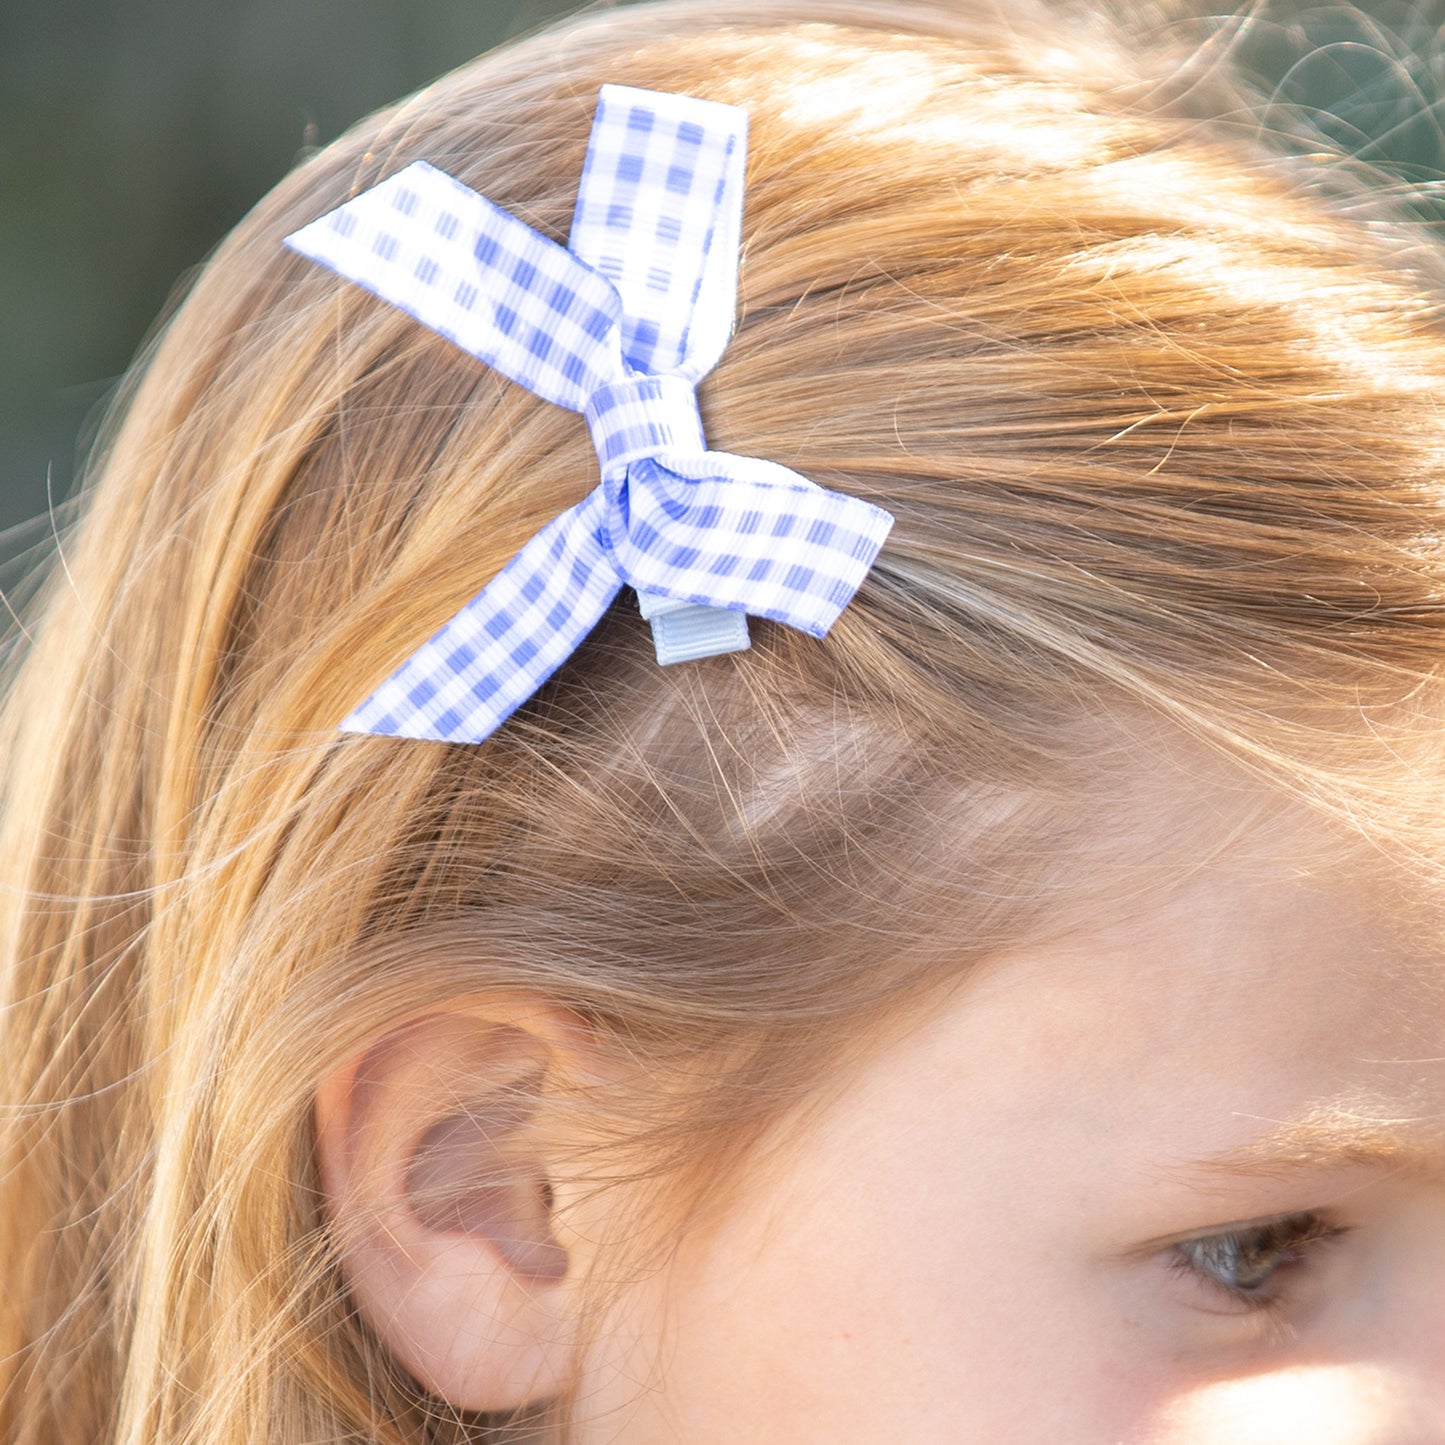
(620, 326)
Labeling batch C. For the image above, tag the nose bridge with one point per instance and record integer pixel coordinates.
(641, 416)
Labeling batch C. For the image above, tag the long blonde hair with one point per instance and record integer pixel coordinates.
(1159, 426)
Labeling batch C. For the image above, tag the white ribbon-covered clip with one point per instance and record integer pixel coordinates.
(620, 326)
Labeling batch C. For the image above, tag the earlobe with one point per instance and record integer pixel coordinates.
(436, 1178)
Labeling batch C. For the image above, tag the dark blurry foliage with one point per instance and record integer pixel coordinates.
(133, 135)
(136, 132)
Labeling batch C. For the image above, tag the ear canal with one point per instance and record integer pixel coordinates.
(467, 1176)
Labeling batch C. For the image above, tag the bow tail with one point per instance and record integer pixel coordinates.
(505, 643)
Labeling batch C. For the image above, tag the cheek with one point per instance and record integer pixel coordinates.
(880, 1291)
(857, 1317)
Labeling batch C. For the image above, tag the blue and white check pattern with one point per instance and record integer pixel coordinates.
(620, 326)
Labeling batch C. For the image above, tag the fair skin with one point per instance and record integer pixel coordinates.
(990, 1231)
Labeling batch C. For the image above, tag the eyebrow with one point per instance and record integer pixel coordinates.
(1331, 1138)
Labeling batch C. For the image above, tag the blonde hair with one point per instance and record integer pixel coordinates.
(1159, 427)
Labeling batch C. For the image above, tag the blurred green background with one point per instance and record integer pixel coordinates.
(136, 132)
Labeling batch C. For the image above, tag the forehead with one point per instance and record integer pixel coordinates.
(1281, 993)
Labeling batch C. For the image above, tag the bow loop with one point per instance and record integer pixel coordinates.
(724, 531)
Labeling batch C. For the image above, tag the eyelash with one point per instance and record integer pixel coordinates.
(1280, 1243)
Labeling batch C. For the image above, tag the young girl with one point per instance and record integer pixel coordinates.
(1011, 1017)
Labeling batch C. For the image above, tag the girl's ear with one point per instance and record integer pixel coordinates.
(437, 1179)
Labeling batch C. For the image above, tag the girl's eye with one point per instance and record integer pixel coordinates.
(1250, 1266)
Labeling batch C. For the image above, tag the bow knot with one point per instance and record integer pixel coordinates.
(643, 416)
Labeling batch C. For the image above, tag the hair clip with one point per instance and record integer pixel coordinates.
(620, 325)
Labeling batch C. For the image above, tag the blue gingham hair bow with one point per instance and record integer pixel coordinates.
(620, 326)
